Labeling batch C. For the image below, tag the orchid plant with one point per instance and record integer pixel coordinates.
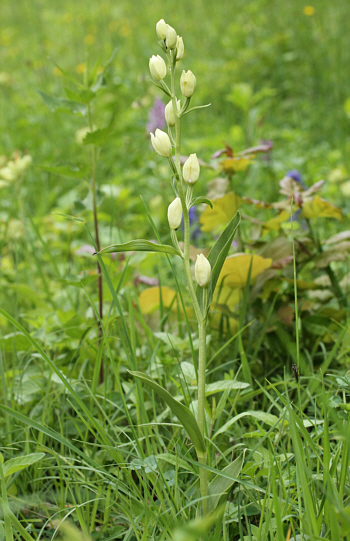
(206, 270)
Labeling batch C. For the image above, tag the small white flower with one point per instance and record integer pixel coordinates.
(175, 213)
(161, 143)
(202, 271)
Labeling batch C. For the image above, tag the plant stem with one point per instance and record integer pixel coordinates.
(97, 237)
(201, 318)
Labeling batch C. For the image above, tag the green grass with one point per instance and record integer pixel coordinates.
(118, 464)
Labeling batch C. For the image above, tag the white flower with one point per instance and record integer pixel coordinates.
(161, 29)
(175, 213)
(187, 83)
(191, 169)
(202, 271)
(171, 37)
(157, 67)
(180, 48)
(169, 112)
(161, 143)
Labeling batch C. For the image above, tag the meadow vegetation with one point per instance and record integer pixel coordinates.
(138, 401)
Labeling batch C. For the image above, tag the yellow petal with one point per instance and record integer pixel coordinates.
(224, 208)
(149, 299)
(235, 270)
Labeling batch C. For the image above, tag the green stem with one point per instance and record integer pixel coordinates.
(201, 318)
(5, 505)
(97, 237)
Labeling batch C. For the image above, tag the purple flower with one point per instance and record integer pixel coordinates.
(295, 175)
(156, 117)
(195, 231)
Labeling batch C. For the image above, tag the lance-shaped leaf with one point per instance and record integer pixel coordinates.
(183, 413)
(16, 464)
(222, 483)
(140, 245)
(200, 201)
(216, 258)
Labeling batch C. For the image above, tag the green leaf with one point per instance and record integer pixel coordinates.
(85, 96)
(20, 463)
(97, 137)
(200, 527)
(140, 245)
(222, 385)
(63, 104)
(220, 485)
(65, 171)
(182, 412)
(267, 418)
(200, 201)
(216, 258)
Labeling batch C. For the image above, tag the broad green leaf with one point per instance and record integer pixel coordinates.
(217, 256)
(20, 463)
(320, 208)
(149, 299)
(140, 245)
(236, 268)
(222, 385)
(200, 201)
(65, 171)
(267, 418)
(222, 211)
(97, 137)
(220, 485)
(63, 104)
(182, 412)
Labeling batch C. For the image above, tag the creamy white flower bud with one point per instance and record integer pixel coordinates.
(191, 169)
(157, 67)
(175, 213)
(171, 37)
(169, 112)
(180, 48)
(202, 271)
(161, 29)
(161, 143)
(187, 83)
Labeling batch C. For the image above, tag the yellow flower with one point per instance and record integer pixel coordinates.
(309, 11)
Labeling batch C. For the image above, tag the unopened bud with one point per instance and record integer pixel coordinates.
(157, 67)
(171, 37)
(175, 213)
(161, 143)
(187, 83)
(202, 271)
(169, 112)
(180, 48)
(191, 169)
(161, 29)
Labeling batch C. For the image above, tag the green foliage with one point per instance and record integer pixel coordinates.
(118, 464)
